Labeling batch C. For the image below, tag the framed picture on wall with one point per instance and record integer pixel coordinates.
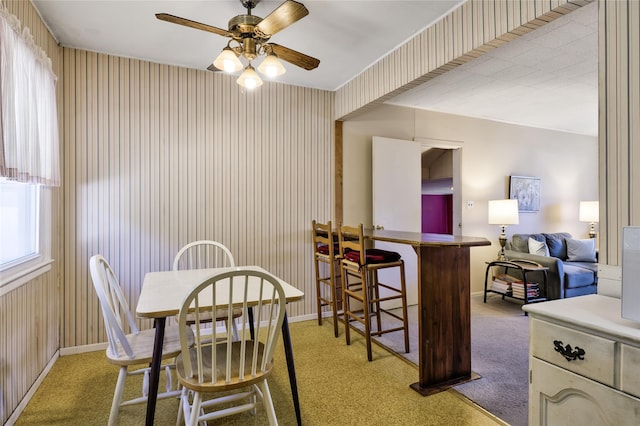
(526, 190)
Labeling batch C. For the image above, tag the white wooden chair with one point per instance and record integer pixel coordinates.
(135, 348)
(238, 368)
(207, 254)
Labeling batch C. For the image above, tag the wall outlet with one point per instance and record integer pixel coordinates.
(469, 204)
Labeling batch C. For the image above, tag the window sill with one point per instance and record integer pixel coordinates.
(12, 281)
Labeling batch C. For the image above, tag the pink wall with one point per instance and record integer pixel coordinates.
(437, 214)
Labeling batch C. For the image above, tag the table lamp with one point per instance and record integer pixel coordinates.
(503, 213)
(589, 212)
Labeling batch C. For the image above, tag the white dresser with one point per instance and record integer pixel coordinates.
(584, 363)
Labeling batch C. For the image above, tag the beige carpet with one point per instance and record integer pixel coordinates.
(336, 383)
(499, 354)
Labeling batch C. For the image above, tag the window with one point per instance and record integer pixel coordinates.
(19, 219)
(29, 155)
(28, 116)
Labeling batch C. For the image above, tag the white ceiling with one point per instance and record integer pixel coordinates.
(346, 36)
(545, 79)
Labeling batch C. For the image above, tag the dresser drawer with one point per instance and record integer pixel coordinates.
(630, 370)
(598, 360)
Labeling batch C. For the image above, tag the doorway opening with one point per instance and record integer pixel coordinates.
(440, 186)
(437, 191)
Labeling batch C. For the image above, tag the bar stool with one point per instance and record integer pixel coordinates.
(357, 262)
(328, 288)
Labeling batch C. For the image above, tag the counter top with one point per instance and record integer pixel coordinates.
(592, 312)
(417, 238)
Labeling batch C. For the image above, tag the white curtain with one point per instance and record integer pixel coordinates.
(28, 113)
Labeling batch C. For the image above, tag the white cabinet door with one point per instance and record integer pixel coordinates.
(559, 397)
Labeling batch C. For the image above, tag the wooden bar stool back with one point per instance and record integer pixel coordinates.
(328, 287)
(359, 271)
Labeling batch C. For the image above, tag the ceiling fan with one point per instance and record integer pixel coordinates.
(249, 38)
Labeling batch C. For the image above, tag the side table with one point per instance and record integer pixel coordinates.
(525, 267)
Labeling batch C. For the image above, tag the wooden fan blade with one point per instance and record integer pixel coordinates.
(192, 24)
(296, 58)
(284, 15)
(213, 68)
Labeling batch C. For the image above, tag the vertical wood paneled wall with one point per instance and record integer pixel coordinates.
(469, 31)
(158, 156)
(619, 133)
(29, 332)
(30, 315)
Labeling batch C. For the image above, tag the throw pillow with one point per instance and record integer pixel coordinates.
(538, 247)
(557, 245)
(581, 250)
(520, 242)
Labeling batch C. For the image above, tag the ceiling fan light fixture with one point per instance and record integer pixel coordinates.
(271, 66)
(228, 61)
(249, 37)
(249, 79)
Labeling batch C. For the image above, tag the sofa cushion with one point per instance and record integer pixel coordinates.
(575, 276)
(538, 247)
(581, 250)
(585, 265)
(557, 245)
(520, 242)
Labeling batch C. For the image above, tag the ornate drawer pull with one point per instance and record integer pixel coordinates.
(567, 352)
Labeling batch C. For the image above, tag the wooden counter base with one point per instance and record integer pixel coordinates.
(430, 390)
(444, 306)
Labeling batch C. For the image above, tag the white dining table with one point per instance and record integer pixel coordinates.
(162, 296)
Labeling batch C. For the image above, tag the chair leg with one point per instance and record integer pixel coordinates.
(318, 286)
(366, 305)
(346, 305)
(117, 396)
(268, 403)
(195, 409)
(334, 299)
(376, 295)
(405, 317)
(181, 406)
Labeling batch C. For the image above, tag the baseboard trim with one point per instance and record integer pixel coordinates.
(23, 404)
(306, 317)
(73, 350)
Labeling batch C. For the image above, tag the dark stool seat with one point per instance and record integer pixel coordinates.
(373, 256)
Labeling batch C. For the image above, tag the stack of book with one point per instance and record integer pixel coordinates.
(503, 283)
(533, 290)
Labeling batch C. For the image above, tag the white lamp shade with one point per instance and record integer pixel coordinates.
(249, 79)
(503, 212)
(271, 66)
(589, 211)
(228, 61)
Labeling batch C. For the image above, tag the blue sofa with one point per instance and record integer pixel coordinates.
(566, 278)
